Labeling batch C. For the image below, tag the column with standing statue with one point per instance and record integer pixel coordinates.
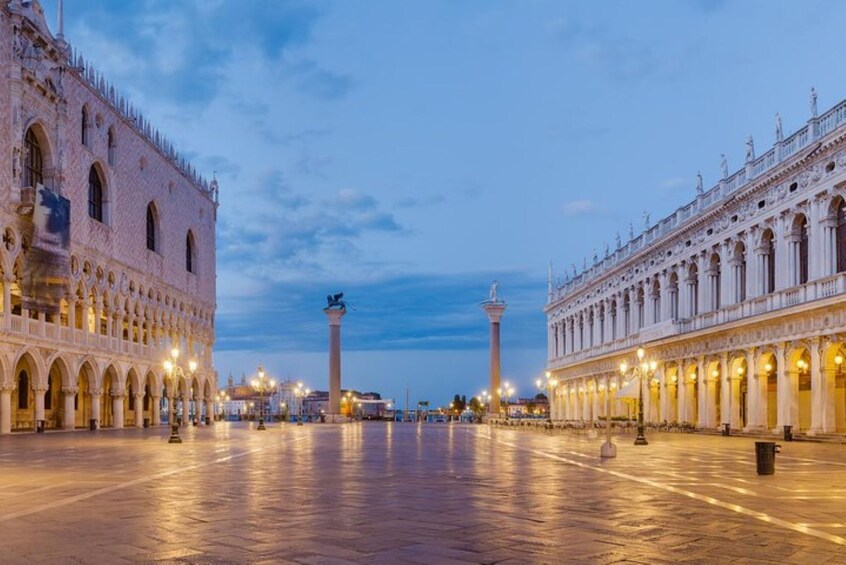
(494, 307)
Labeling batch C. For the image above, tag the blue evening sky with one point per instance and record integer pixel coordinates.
(408, 153)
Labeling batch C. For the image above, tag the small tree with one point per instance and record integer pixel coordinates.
(477, 408)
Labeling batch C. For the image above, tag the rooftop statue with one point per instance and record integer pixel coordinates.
(724, 165)
(779, 133)
(336, 302)
(750, 150)
(699, 188)
(813, 102)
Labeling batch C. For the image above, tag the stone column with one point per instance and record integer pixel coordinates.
(70, 409)
(210, 411)
(335, 315)
(39, 404)
(725, 390)
(155, 410)
(494, 309)
(784, 389)
(681, 394)
(117, 409)
(6, 408)
(7, 302)
(595, 393)
(138, 408)
(753, 392)
(95, 407)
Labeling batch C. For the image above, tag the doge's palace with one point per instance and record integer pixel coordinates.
(107, 259)
(739, 295)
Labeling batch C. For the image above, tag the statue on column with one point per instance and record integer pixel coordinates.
(750, 149)
(699, 188)
(779, 133)
(724, 165)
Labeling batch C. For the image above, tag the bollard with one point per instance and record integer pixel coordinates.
(92, 424)
(146, 422)
(765, 457)
(726, 429)
(788, 433)
(39, 426)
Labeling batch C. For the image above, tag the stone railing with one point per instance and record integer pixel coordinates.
(821, 288)
(811, 132)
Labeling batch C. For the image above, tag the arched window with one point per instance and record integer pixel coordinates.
(673, 289)
(627, 317)
(111, 140)
(613, 320)
(802, 250)
(739, 268)
(768, 254)
(693, 289)
(151, 228)
(655, 295)
(714, 278)
(190, 253)
(590, 328)
(95, 195)
(640, 310)
(23, 390)
(48, 396)
(34, 164)
(84, 126)
(840, 235)
(602, 324)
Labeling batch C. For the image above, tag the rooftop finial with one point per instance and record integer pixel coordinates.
(813, 102)
(724, 165)
(61, 27)
(779, 133)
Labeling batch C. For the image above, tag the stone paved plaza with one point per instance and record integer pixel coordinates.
(431, 493)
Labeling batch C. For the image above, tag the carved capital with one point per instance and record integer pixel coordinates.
(70, 389)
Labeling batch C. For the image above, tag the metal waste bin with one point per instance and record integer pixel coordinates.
(788, 433)
(208, 421)
(39, 426)
(92, 424)
(726, 429)
(765, 457)
(146, 422)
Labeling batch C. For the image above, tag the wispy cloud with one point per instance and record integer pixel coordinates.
(581, 208)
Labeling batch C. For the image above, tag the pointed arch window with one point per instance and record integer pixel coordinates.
(84, 126)
(95, 195)
(34, 165)
(151, 228)
(190, 253)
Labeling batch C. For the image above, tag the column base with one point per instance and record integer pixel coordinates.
(608, 450)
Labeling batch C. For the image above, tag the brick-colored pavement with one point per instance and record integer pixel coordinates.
(431, 493)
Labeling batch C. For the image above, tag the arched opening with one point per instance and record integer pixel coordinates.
(110, 387)
(82, 404)
(95, 195)
(714, 395)
(692, 391)
(671, 385)
(147, 404)
(129, 400)
(738, 399)
(673, 290)
(739, 272)
(33, 169)
(655, 296)
(23, 396)
(839, 213)
(693, 290)
(714, 279)
(767, 253)
(53, 405)
(190, 253)
(800, 248)
(112, 144)
(152, 228)
(769, 372)
(799, 381)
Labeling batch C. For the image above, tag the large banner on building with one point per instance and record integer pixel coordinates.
(47, 264)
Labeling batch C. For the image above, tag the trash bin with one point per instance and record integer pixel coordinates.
(146, 422)
(92, 424)
(323, 418)
(39, 427)
(788, 433)
(194, 422)
(726, 429)
(208, 421)
(765, 457)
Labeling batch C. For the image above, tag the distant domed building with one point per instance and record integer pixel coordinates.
(107, 259)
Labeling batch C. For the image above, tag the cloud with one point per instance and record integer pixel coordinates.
(676, 182)
(403, 312)
(581, 208)
(317, 81)
(423, 201)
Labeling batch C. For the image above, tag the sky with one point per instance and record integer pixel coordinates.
(409, 153)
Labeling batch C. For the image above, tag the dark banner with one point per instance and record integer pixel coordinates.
(47, 265)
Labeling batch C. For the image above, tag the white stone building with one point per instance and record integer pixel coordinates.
(738, 295)
(85, 338)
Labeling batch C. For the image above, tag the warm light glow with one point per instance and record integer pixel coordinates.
(674, 379)
(693, 376)
(613, 385)
(715, 373)
(168, 366)
(623, 368)
(768, 367)
(641, 352)
(655, 381)
(601, 387)
(653, 365)
(644, 366)
(192, 366)
(548, 374)
(838, 359)
(174, 352)
(538, 383)
(800, 363)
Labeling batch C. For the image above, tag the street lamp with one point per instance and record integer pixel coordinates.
(549, 386)
(301, 393)
(173, 373)
(642, 369)
(505, 393)
(262, 383)
(221, 398)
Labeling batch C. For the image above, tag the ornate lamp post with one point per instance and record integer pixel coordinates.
(549, 387)
(173, 373)
(222, 397)
(301, 393)
(262, 383)
(642, 370)
(505, 393)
